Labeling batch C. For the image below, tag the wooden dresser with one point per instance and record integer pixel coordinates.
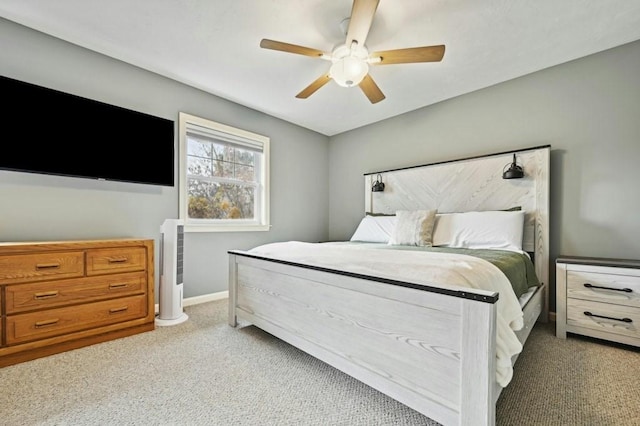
(598, 298)
(57, 296)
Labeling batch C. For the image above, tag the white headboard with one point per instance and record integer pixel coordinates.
(475, 184)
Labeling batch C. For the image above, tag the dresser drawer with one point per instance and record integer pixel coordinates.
(39, 267)
(610, 288)
(619, 319)
(113, 260)
(39, 325)
(50, 294)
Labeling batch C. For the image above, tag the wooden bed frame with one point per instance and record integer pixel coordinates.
(431, 349)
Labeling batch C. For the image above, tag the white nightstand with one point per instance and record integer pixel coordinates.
(598, 298)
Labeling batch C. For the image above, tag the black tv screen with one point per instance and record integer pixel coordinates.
(47, 131)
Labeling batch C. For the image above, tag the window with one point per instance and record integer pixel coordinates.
(224, 177)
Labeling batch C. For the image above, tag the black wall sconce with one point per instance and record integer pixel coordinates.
(378, 185)
(514, 172)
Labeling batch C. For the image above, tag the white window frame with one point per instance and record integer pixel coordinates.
(262, 198)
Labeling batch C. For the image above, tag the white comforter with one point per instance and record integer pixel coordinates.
(444, 270)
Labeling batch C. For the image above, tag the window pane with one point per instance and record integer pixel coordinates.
(198, 148)
(223, 169)
(209, 200)
(222, 152)
(245, 157)
(245, 173)
(199, 166)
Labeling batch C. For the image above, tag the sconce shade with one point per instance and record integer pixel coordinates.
(514, 172)
(378, 185)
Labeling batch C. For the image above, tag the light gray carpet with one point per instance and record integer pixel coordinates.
(203, 372)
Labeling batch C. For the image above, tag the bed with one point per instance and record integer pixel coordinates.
(437, 328)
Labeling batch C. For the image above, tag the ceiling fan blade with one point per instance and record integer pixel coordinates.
(410, 55)
(371, 89)
(362, 14)
(311, 89)
(290, 48)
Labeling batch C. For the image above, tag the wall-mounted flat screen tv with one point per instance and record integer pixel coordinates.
(47, 131)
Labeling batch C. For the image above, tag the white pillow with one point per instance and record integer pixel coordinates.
(413, 228)
(480, 230)
(375, 229)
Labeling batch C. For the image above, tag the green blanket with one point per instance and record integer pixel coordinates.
(517, 267)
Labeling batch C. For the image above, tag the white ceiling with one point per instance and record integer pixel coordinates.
(214, 46)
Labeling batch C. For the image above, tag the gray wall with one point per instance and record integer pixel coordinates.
(39, 207)
(588, 110)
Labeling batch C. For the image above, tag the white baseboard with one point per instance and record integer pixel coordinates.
(196, 300)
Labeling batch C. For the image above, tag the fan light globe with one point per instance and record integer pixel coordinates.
(349, 71)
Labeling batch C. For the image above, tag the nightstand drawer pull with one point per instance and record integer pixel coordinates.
(117, 260)
(45, 323)
(626, 290)
(45, 295)
(589, 314)
(116, 310)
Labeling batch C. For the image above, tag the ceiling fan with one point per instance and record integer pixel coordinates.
(351, 60)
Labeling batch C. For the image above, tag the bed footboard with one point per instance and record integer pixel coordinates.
(433, 352)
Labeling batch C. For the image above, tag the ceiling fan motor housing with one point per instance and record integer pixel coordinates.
(349, 64)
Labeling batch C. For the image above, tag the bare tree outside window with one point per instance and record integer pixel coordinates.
(233, 198)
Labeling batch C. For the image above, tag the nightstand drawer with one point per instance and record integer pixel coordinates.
(50, 294)
(39, 267)
(109, 261)
(54, 322)
(604, 317)
(610, 288)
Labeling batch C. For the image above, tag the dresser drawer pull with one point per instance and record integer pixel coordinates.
(118, 260)
(626, 290)
(45, 295)
(47, 265)
(120, 285)
(40, 324)
(116, 310)
(589, 314)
